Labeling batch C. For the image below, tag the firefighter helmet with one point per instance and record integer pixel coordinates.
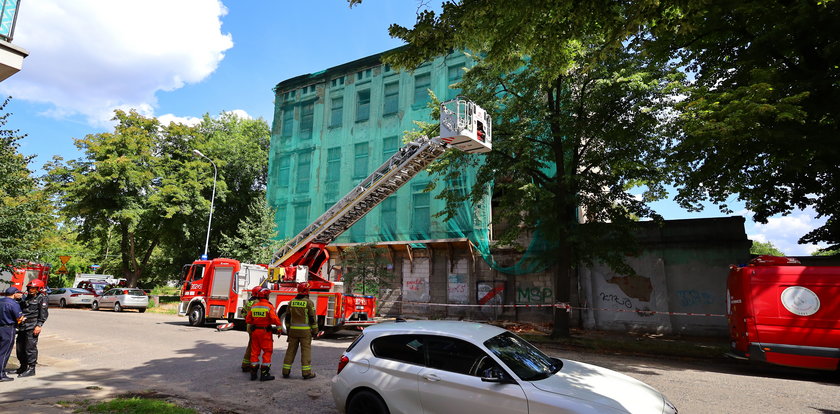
(303, 288)
(263, 293)
(256, 290)
(38, 283)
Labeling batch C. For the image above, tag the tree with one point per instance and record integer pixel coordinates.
(765, 248)
(365, 269)
(253, 241)
(138, 184)
(761, 121)
(24, 210)
(575, 127)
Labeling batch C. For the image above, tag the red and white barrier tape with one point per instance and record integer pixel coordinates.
(565, 306)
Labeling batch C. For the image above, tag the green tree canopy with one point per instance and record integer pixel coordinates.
(575, 128)
(761, 121)
(254, 240)
(765, 248)
(24, 209)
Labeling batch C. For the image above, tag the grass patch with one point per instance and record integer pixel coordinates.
(166, 290)
(138, 405)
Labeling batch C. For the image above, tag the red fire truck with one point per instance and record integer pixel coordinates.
(784, 313)
(23, 273)
(217, 289)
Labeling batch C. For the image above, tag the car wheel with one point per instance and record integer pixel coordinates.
(141, 310)
(62, 303)
(196, 315)
(366, 402)
(94, 305)
(117, 307)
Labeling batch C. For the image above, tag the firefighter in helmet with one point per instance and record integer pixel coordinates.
(302, 327)
(264, 321)
(246, 359)
(35, 308)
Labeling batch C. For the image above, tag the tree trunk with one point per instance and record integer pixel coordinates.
(562, 291)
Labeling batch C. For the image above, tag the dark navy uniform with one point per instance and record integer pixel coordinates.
(36, 310)
(10, 313)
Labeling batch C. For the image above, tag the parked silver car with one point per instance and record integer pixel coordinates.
(122, 298)
(70, 297)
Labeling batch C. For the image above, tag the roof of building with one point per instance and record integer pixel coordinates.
(324, 75)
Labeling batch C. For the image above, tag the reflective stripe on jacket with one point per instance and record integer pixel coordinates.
(302, 312)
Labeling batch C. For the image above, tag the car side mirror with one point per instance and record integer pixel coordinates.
(497, 375)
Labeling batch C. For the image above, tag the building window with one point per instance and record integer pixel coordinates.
(307, 90)
(421, 219)
(288, 121)
(388, 219)
(339, 81)
(358, 231)
(301, 216)
(280, 219)
(333, 178)
(303, 172)
(289, 96)
(307, 112)
(283, 172)
(390, 145)
(392, 98)
(363, 106)
(454, 75)
(336, 111)
(363, 74)
(421, 85)
(360, 166)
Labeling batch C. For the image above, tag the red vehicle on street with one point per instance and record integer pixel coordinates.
(24, 272)
(784, 313)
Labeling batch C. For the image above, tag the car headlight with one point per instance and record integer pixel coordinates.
(670, 408)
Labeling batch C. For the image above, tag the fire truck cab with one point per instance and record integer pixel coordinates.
(784, 313)
(23, 273)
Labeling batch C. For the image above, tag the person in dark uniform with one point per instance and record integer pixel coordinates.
(10, 317)
(36, 310)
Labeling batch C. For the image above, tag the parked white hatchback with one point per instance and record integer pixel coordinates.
(459, 367)
(122, 298)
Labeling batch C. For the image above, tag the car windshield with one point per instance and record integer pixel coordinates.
(77, 290)
(526, 361)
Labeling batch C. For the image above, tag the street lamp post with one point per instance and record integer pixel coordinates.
(212, 200)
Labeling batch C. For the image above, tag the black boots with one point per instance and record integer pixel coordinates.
(265, 375)
(246, 367)
(254, 372)
(308, 376)
(28, 373)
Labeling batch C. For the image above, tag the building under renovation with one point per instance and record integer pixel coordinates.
(333, 128)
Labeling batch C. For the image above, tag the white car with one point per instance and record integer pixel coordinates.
(465, 367)
(70, 297)
(122, 298)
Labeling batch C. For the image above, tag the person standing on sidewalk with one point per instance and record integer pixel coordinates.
(246, 359)
(10, 317)
(35, 308)
(303, 327)
(264, 320)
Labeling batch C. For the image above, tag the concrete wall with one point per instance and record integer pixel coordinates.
(682, 269)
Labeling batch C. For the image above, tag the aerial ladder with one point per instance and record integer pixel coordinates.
(463, 125)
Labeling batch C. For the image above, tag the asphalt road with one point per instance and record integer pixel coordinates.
(96, 355)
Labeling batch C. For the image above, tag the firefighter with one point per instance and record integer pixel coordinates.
(10, 317)
(36, 310)
(263, 318)
(246, 359)
(303, 326)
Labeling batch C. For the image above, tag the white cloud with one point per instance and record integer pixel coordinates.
(166, 119)
(88, 57)
(785, 231)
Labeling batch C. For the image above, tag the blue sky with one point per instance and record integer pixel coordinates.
(178, 60)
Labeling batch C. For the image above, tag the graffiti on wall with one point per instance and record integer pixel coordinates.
(622, 301)
(490, 292)
(457, 291)
(534, 294)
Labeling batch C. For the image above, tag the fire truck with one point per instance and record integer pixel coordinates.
(217, 289)
(23, 273)
(781, 312)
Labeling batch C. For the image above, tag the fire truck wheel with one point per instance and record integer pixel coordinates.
(62, 303)
(117, 307)
(141, 310)
(196, 315)
(284, 320)
(94, 306)
(366, 402)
